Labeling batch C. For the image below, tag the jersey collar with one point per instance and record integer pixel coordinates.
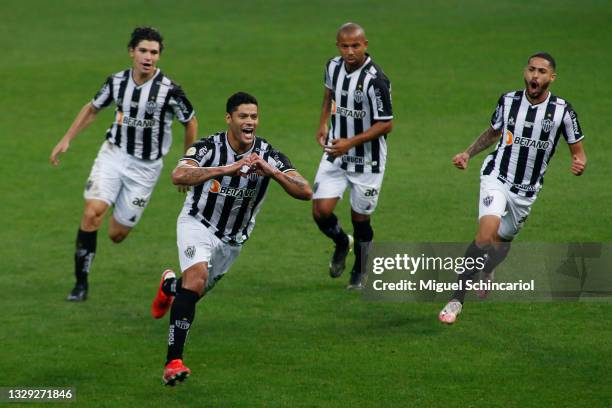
(157, 71)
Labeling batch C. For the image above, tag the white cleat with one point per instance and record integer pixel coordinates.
(449, 314)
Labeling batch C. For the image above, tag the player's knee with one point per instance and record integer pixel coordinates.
(117, 236)
(320, 212)
(486, 238)
(92, 218)
(196, 282)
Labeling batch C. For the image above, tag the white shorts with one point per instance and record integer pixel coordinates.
(123, 181)
(497, 199)
(196, 244)
(331, 181)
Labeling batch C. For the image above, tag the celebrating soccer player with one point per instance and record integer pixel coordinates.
(357, 97)
(130, 160)
(526, 125)
(229, 173)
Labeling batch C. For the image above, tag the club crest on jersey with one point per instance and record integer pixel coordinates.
(150, 107)
(547, 125)
(487, 201)
(358, 95)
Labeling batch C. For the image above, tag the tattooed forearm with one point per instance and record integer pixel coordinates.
(486, 139)
(297, 180)
(190, 175)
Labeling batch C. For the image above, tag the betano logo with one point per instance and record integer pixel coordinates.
(526, 142)
(216, 187)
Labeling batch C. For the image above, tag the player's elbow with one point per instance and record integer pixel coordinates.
(387, 127)
(178, 176)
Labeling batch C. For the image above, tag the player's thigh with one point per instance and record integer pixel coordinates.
(104, 181)
(223, 257)
(365, 190)
(330, 181)
(518, 210)
(492, 208)
(138, 181)
(195, 243)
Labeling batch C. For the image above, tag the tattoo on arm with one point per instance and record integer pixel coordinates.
(296, 180)
(486, 139)
(193, 175)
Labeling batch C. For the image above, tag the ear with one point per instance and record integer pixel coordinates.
(553, 76)
(365, 43)
(131, 52)
(228, 118)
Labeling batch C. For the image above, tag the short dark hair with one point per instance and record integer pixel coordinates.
(146, 34)
(545, 56)
(237, 99)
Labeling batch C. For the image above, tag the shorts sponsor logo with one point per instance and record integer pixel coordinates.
(139, 202)
(350, 113)
(191, 151)
(547, 125)
(315, 187)
(487, 201)
(190, 251)
(358, 95)
(182, 324)
(151, 107)
(371, 192)
(88, 185)
(526, 142)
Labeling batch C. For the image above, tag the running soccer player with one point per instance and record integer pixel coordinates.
(357, 97)
(527, 126)
(229, 173)
(129, 162)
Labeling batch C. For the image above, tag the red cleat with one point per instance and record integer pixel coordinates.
(175, 371)
(162, 302)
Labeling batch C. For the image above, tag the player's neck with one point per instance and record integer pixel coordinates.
(238, 147)
(352, 68)
(140, 78)
(539, 99)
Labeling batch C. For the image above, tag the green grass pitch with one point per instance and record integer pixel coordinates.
(277, 331)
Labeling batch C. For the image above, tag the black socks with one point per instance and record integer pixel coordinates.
(363, 238)
(181, 318)
(330, 227)
(86, 242)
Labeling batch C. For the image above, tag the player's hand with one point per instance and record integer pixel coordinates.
(461, 160)
(243, 166)
(322, 135)
(61, 147)
(578, 165)
(183, 189)
(263, 168)
(338, 147)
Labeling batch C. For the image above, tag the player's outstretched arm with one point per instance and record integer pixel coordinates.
(325, 112)
(485, 140)
(292, 182)
(84, 118)
(579, 159)
(343, 145)
(188, 173)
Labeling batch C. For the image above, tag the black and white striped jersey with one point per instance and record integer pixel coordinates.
(228, 205)
(530, 134)
(144, 114)
(359, 99)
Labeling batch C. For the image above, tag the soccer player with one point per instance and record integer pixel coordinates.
(357, 97)
(130, 160)
(527, 126)
(229, 173)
